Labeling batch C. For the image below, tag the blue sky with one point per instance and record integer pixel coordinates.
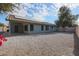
(44, 12)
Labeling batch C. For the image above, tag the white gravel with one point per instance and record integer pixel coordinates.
(46, 44)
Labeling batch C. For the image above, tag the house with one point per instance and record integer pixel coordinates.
(20, 25)
(4, 28)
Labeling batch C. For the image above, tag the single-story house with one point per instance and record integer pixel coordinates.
(20, 25)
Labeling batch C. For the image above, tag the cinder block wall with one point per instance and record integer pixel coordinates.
(77, 30)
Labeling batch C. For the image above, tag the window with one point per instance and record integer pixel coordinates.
(42, 27)
(26, 27)
(52, 27)
(47, 27)
(31, 27)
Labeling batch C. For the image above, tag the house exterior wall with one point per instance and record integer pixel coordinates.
(37, 28)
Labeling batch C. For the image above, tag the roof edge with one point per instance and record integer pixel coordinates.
(12, 17)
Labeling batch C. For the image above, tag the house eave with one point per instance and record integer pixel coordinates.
(28, 21)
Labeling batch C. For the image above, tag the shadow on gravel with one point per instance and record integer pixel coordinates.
(76, 45)
(27, 34)
(33, 34)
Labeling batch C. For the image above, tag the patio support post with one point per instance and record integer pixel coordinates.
(44, 28)
(28, 28)
(9, 27)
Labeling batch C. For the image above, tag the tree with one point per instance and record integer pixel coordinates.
(7, 7)
(65, 17)
(1, 24)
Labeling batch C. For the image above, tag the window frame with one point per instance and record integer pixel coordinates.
(47, 27)
(42, 27)
(31, 27)
(25, 27)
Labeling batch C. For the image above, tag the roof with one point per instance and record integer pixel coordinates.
(12, 17)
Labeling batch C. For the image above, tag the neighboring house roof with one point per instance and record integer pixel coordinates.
(12, 17)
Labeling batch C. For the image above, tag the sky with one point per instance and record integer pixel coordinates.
(43, 12)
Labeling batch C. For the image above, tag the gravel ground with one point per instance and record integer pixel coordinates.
(55, 44)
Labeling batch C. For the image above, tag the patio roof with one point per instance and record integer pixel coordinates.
(15, 18)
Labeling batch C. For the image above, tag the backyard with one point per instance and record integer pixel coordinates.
(51, 44)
